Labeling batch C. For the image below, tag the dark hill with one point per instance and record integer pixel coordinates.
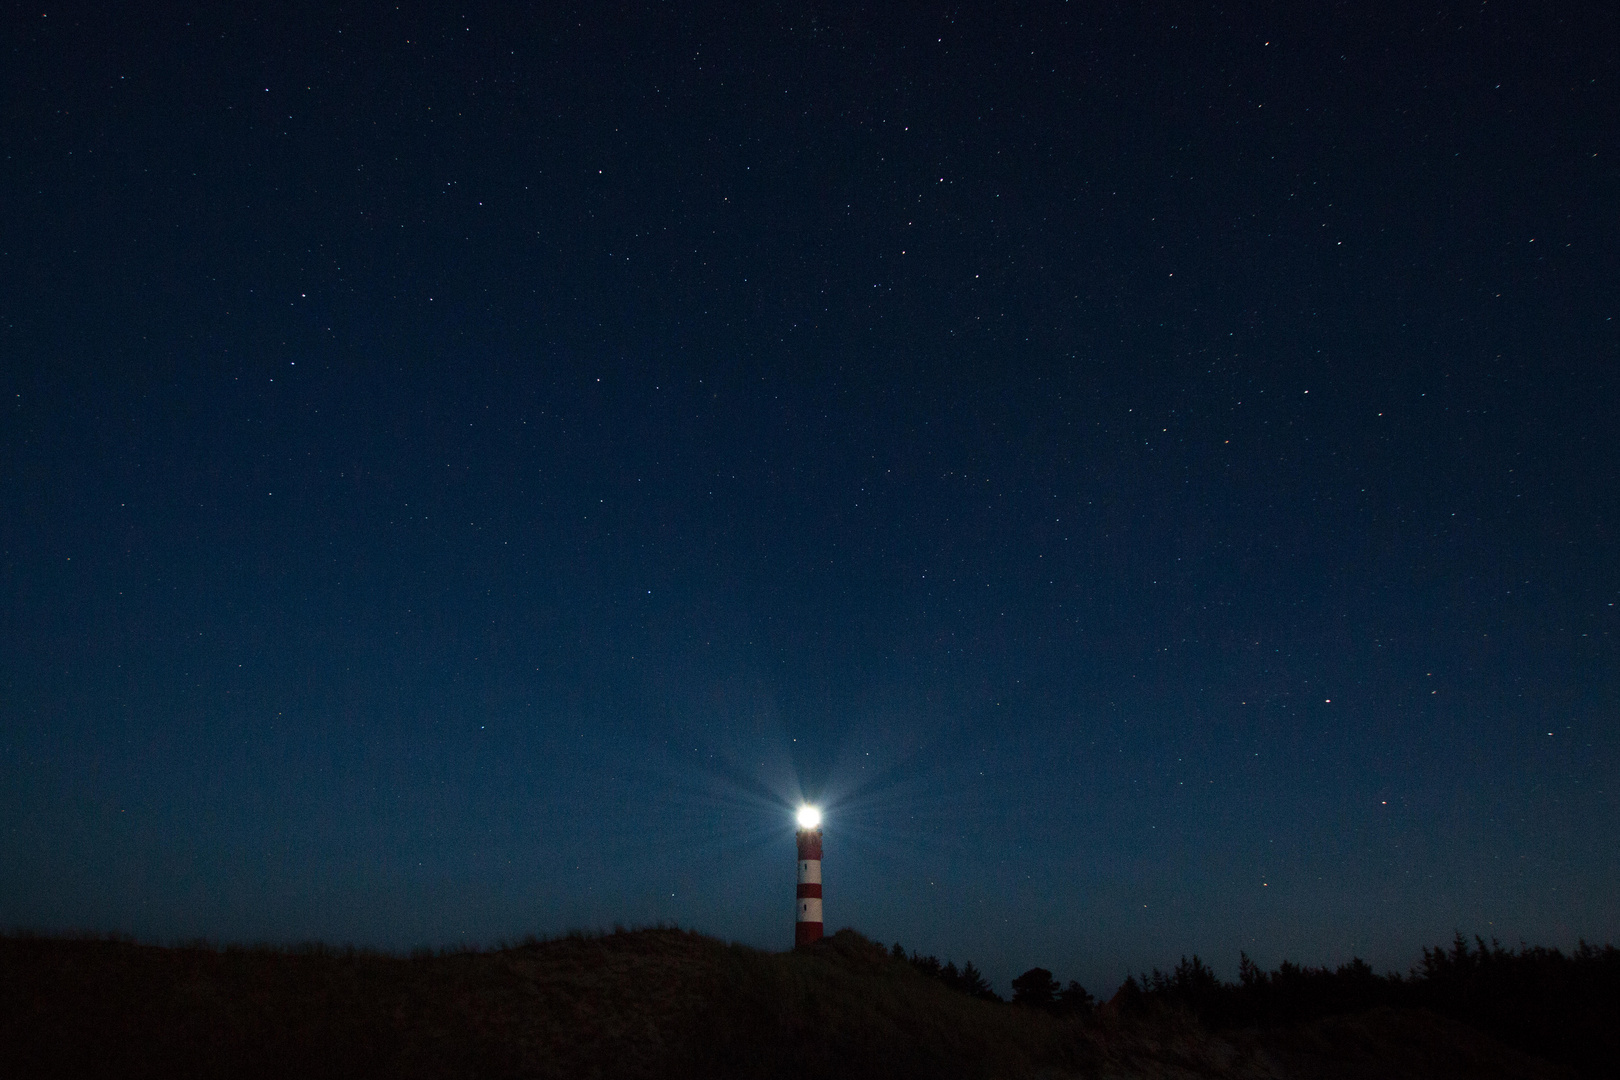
(638, 1004)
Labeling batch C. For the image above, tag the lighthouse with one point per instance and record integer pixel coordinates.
(808, 904)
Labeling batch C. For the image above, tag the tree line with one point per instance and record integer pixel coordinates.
(1035, 988)
(1563, 1007)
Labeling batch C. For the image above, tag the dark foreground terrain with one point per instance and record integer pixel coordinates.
(646, 1003)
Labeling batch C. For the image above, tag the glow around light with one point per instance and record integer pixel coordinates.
(809, 817)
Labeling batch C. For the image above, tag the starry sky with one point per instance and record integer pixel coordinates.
(1149, 474)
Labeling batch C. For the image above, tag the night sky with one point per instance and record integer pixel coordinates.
(1150, 474)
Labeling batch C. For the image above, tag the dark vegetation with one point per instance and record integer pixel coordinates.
(665, 1002)
(1034, 988)
(648, 1003)
(1561, 1007)
(968, 980)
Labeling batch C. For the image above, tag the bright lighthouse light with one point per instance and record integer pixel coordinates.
(809, 817)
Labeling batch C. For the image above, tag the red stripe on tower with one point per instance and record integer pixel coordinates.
(807, 927)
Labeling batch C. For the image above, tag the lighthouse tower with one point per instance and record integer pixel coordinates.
(808, 905)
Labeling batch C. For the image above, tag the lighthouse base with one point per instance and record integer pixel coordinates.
(804, 933)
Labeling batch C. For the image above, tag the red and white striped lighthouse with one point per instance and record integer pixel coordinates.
(808, 905)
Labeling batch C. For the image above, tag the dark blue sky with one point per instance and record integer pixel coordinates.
(466, 471)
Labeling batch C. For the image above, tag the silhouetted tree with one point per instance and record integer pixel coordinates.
(968, 979)
(928, 965)
(1131, 996)
(1036, 988)
(1074, 999)
(974, 984)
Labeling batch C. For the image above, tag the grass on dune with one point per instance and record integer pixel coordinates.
(659, 1002)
